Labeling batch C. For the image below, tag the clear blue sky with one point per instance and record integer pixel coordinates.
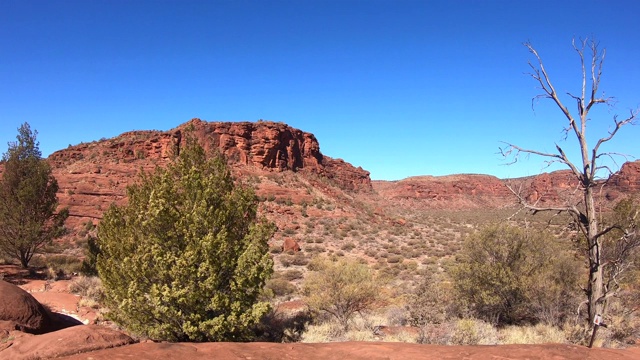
(400, 88)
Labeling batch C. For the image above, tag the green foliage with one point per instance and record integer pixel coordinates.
(89, 264)
(186, 259)
(507, 275)
(28, 200)
(341, 288)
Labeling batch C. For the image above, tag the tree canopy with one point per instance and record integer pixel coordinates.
(28, 200)
(187, 257)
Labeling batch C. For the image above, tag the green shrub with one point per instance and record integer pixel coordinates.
(187, 258)
(506, 275)
(91, 257)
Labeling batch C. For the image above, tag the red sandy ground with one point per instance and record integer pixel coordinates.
(351, 351)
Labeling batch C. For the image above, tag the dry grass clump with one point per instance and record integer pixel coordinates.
(90, 288)
(87, 286)
(536, 334)
(460, 332)
(362, 328)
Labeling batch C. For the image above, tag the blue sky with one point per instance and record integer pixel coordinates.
(400, 88)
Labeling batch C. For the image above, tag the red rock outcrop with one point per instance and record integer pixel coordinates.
(470, 191)
(628, 178)
(94, 175)
(450, 192)
(290, 244)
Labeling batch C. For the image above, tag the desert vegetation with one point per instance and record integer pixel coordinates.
(28, 200)
(186, 259)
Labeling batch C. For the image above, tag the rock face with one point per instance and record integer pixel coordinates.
(21, 311)
(459, 191)
(628, 178)
(94, 175)
(470, 191)
(266, 145)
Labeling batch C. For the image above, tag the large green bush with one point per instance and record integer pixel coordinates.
(187, 258)
(509, 275)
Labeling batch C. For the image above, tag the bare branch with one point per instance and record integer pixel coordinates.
(618, 125)
(541, 76)
(580, 100)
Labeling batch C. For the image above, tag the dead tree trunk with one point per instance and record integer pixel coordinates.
(588, 175)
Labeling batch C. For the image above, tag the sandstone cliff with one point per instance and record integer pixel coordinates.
(94, 175)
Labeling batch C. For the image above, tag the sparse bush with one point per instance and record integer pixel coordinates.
(60, 266)
(299, 259)
(290, 275)
(348, 246)
(281, 287)
(87, 286)
(473, 332)
(432, 301)
(341, 288)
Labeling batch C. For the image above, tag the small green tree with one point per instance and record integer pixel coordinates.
(341, 288)
(28, 200)
(507, 275)
(187, 258)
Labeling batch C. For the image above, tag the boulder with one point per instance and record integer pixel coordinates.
(290, 245)
(69, 341)
(21, 311)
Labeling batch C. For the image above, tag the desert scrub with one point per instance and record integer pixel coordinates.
(187, 258)
(473, 332)
(281, 287)
(87, 286)
(341, 288)
(536, 334)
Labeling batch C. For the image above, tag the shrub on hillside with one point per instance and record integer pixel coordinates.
(187, 258)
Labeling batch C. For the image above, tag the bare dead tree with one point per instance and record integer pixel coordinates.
(588, 171)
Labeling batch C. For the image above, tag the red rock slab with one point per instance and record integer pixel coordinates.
(69, 341)
(351, 351)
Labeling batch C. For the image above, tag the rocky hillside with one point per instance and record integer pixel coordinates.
(94, 175)
(472, 191)
(294, 179)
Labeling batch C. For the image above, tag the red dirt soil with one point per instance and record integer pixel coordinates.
(352, 351)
